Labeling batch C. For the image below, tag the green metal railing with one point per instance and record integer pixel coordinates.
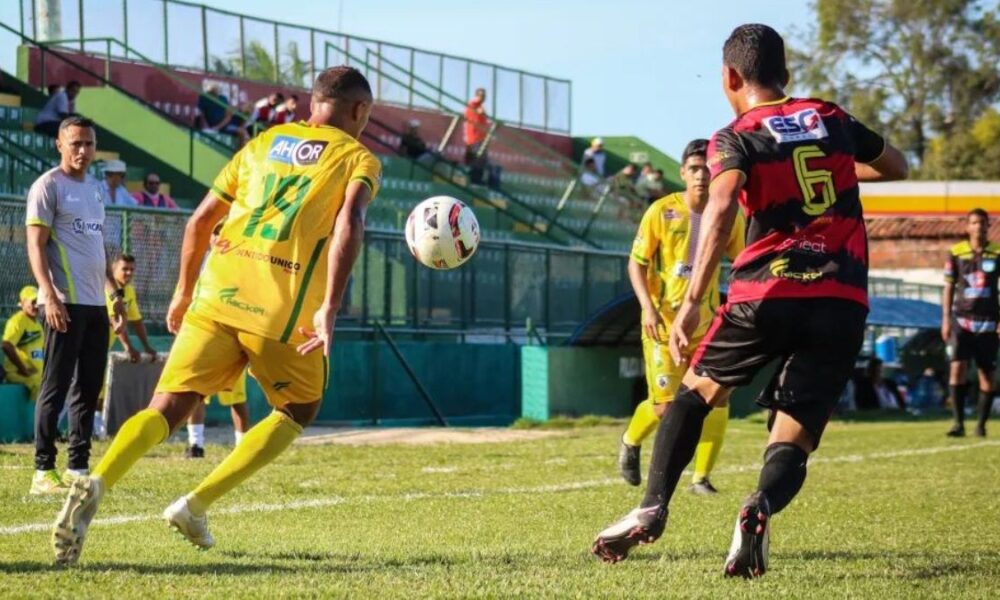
(490, 298)
(185, 34)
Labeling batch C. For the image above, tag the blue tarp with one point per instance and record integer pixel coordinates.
(901, 312)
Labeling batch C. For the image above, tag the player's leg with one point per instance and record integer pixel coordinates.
(241, 420)
(294, 386)
(660, 388)
(205, 356)
(960, 351)
(821, 339)
(196, 432)
(987, 347)
(90, 372)
(709, 446)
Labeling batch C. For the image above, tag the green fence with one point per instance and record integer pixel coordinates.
(188, 35)
(489, 299)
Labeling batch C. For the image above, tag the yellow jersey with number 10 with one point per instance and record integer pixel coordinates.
(266, 274)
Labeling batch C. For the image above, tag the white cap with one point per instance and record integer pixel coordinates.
(114, 166)
(597, 142)
(413, 122)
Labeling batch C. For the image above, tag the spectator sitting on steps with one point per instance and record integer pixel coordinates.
(596, 152)
(60, 105)
(150, 195)
(114, 184)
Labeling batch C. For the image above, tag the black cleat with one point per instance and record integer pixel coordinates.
(956, 431)
(641, 526)
(980, 431)
(703, 488)
(628, 462)
(748, 552)
(194, 452)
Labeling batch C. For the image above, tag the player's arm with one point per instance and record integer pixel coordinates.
(117, 295)
(139, 327)
(643, 249)
(11, 334)
(348, 236)
(875, 159)
(197, 235)
(947, 297)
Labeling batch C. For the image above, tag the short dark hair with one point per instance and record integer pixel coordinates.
(279, 96)
(590, 161)
(146, 178)
(73, 83)
(293, 97)
(698, 147)
(341, 83)
(76, 121)
(979, 212)
(757, 52)
(124, 257)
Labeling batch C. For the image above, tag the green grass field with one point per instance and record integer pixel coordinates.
(890, 510)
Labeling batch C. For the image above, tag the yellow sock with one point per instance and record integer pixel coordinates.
(262, 444)
(137, 436)
(710, 443)
(643, 423)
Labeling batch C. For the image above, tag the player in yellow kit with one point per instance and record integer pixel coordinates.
(24, 343)
(294, 200)
(659, 268)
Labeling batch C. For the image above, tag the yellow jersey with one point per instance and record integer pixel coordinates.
(131, 305)
(267, 273)
(666, 243)
(28, 339)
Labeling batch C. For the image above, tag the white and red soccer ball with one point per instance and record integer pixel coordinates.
(442, 232)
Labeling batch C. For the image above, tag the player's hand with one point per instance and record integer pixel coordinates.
(118, 318)
(175, 314)
(56, 314)
(946, 331)
(321, 334)
(685, 323)
(651, 321)
(133, 355)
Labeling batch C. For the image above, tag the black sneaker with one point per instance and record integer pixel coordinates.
(956, 431)
(641, 526)
(703, 488)
(194, 452)
(628, 462)
(748, 552)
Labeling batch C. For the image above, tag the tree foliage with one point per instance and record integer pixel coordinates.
(291, 70)
(923, 71)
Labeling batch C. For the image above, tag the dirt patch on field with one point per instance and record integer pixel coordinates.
(419, 435)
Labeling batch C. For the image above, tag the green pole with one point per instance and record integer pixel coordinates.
(166, 36)
(82, 35)
(277, 55)
(125, 25)
(204, 38)
(243, 50)
(126, 244)
(312, 55)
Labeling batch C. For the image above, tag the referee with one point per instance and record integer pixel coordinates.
(65, 234)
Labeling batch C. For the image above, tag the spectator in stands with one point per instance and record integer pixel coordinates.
(590, 177)
(596, 152)
(477, 125)
(23, 343)
(216, 115)
(115, 193)
(624, 180)
(60, 105)
(150, 195)
(651, 187)
(286, 112)
(264, 111)
(413, 145)
(874, 392)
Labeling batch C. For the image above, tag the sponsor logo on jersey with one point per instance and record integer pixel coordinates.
(779, 268)
(37, 354)
(28, 337)
(82, 227)
(224, 246)
(661, 381)
(296, 151)
(228, 296)
(816, 245)
(796, 127)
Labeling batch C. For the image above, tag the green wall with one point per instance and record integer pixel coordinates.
(568, 381)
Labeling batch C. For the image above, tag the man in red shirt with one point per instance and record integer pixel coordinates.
(477, 125)
(798, 292)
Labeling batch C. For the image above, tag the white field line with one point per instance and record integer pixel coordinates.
(541, 489)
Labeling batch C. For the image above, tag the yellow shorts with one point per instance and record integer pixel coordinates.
(235, 394)
(663, 377)
(208, 356)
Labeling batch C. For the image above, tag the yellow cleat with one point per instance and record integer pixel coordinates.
(70, 528)
(46, 483)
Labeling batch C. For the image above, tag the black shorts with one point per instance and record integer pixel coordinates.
(980, 347)
(815, 340)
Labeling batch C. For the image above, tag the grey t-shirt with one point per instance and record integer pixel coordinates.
(74, 213)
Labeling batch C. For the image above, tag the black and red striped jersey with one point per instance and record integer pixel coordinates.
(805, 232)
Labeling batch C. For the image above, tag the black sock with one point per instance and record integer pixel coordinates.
(783, 474)
(985, 405)
(958, 393)
(676, 440)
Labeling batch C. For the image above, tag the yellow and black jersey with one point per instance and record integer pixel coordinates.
(975, 275)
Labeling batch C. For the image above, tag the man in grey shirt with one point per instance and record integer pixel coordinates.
(65, 224)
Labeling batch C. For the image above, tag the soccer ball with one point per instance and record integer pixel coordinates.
(442, 232)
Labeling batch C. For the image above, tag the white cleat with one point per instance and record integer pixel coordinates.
(194, 528)
(70, 528)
